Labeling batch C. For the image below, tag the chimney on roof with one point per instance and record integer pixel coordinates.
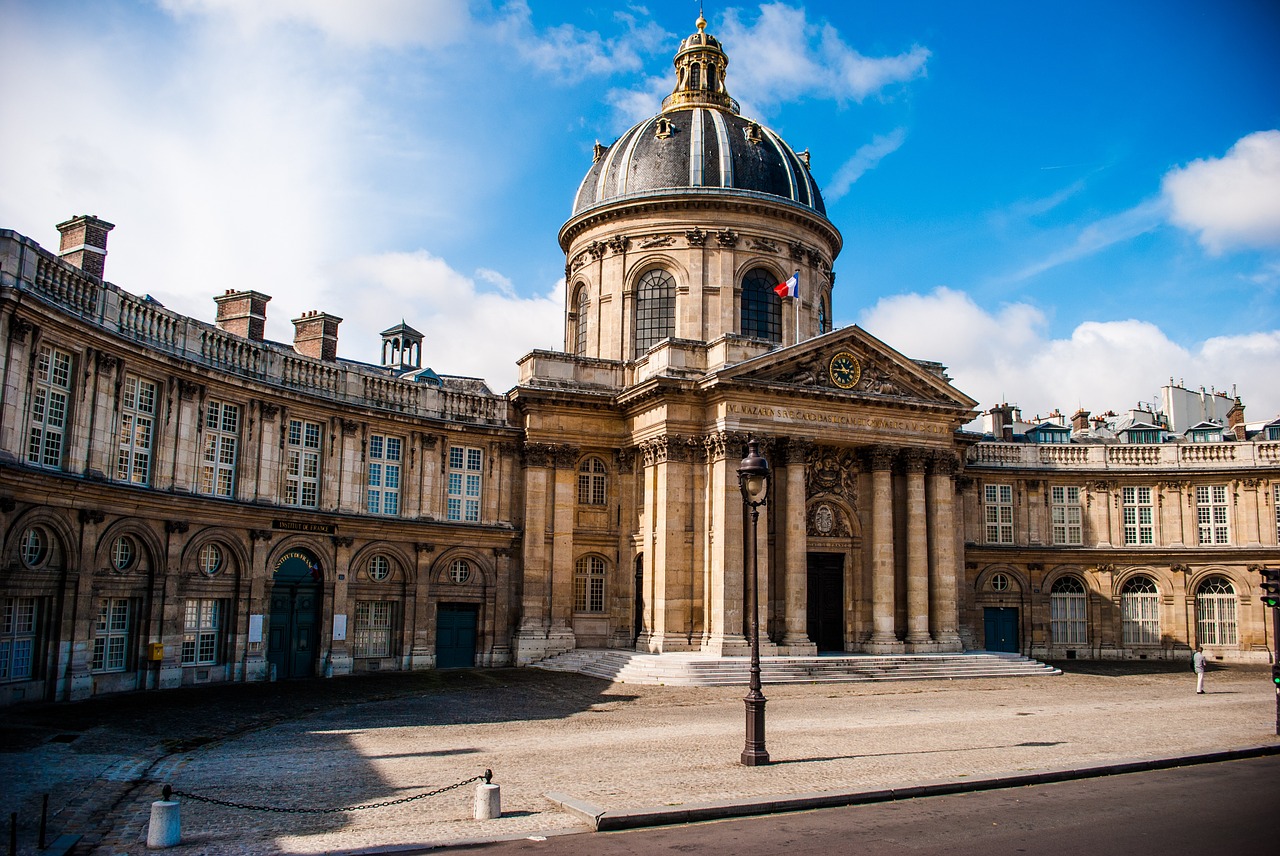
(84, 242)
(1080, 420)
(1002, 421)
(315, 335)
(242, 313)
(1235, 420)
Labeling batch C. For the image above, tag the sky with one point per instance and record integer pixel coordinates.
(1067, 204)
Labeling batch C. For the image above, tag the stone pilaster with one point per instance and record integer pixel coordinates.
(530, 642)
(726, 636)
(795, 641)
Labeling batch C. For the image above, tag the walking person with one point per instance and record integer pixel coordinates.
(1197, 665)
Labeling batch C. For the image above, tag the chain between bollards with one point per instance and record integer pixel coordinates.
(169, 792)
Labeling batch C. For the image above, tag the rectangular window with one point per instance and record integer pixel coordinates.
(50, 393)
(1211, 514)
(17, 638)
(137, 422)
(1067, 528)
(1138, 516)
(1068, 619)
(111, 635)
(302, 479)
(999, 513)
(372, 629)
(221, 442)
(200, 627)
(383, 490)
(465, 467)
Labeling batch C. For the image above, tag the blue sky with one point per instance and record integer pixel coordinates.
(1066, 203)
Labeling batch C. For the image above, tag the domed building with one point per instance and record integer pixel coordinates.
(185, 503)
(699, 274)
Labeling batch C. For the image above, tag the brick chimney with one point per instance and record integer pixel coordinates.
(242, 313)
(84, 242)
(1235, 420)
(1002, 422)
(315, 335)
(1080, 420)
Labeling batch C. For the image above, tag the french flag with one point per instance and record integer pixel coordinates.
(790, 288)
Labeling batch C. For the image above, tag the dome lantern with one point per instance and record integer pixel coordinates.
(700, 67)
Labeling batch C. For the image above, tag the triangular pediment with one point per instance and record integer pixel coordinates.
(849, 362)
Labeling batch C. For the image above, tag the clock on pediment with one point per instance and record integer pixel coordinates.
(844, 370)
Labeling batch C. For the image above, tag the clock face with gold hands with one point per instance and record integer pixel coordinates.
(845, 370)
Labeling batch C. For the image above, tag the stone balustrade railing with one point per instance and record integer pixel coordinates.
(1125, 457)
(27, 267)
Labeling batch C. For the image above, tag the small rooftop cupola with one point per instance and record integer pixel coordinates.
(401, 348)
(700, 66)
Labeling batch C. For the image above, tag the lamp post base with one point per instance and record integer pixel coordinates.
(754, 753)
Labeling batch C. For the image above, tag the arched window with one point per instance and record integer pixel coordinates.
(761, 306)
(711, 78)
(1216, 612)
(580, 321)
(655, 309)
(588, 585)
(695, 76)
(591, 482)
(1140, 611)
(1067, 612)
(824, 316)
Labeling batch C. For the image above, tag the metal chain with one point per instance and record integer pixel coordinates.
(485, 776)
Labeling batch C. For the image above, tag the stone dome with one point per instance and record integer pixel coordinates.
(699, 144)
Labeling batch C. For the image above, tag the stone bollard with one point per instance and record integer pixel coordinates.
(488, 801)
(165, 829)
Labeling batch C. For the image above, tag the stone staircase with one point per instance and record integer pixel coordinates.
(701, 670)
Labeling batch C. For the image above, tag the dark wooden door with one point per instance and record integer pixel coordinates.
(293, 638)
(456, 636)
(1000, 626)
(826, 601)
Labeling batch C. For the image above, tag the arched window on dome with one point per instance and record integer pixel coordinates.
(695, 76)
(655, 309)
(580, 321)
(711, 78)
(824, 316)
(761, 306)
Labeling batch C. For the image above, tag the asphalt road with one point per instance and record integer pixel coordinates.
(1204, 810)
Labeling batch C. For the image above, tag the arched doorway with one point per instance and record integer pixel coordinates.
(293, 641)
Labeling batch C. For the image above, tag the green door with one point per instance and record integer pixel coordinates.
(456, 636)
(293, 636)
(1000, 625)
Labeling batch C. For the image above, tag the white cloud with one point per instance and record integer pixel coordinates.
(1007, 355)
(635, 105)
(364, 24)
(466, 330)
(568, 52)
(865, 158)
(1232, 201)
(782, 58)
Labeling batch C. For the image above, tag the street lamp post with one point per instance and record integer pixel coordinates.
(753, 480)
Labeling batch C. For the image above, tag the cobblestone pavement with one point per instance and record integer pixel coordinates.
(344, 742)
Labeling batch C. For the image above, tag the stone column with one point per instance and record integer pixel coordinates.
(669, 458)
(791, 466)
(726, 637)
(917, 551)
(944, 560)
(884, 639)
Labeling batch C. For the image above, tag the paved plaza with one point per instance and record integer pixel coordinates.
(352, 741)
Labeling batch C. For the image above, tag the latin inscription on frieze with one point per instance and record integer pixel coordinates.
(795, 415)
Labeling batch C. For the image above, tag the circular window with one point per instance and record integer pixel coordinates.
(34, 548)
(122, 553)
(999, 582)
(210, 559)
(379, 568)
(460, 571)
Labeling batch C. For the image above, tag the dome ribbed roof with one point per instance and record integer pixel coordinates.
(699, 149)
(699, 144)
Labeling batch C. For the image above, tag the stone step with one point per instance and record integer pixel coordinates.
(694, 669)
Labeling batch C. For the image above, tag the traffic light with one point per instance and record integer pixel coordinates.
(1275, 675)
(1270, 587)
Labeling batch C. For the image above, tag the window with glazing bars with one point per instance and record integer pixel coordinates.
(302, 478)
(201, 623)
(221, 444)
(383, 489)
(465, 470)
(761, 306)
(50, 392)
(1211, 514)
(655, 309)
